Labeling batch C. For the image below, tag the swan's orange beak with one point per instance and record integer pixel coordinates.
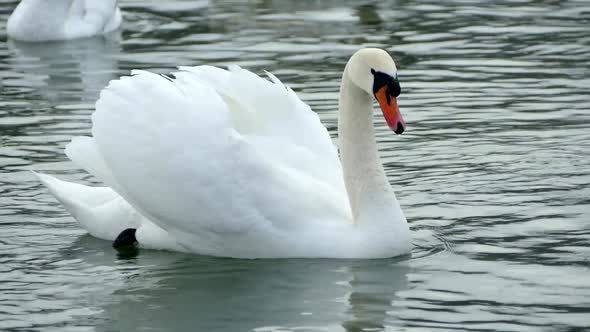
(390, 110)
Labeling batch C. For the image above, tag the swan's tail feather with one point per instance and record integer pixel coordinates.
(75, 196)
(100, 210)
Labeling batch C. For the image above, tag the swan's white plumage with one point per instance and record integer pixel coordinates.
(44, 20)
(223, 163)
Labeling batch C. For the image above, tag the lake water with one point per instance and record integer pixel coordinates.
(492, 172)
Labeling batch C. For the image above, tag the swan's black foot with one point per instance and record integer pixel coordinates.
(126, 239)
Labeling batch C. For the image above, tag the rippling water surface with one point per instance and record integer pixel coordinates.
(492, 172)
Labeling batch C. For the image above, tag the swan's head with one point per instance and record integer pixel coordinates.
(374, 71)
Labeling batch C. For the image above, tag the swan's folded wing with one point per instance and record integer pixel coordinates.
(172, 148)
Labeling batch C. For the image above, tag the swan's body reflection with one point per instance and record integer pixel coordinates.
(176, 292)
(74, 70)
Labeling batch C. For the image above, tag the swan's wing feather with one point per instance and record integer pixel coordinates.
(273, 107)
(271, 116)
(175, 155)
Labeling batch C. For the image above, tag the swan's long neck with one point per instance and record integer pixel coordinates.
(370, 195)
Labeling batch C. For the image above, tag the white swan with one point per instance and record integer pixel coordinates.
(44, 20)
(226, 163)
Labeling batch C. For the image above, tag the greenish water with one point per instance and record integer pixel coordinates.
(492, 171)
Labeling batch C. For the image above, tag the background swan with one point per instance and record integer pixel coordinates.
(226, 163)
(44, 20)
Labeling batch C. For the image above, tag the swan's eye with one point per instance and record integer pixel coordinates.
(394, 88)
(381, 80)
